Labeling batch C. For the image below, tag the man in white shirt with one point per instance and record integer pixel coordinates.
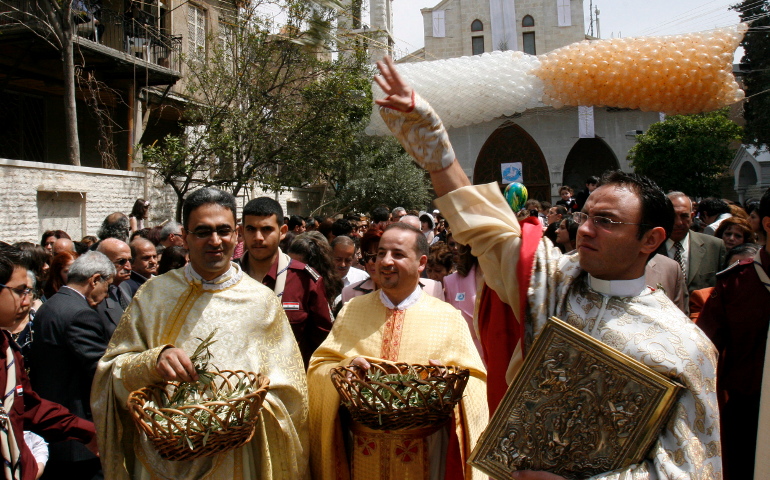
(344, 249)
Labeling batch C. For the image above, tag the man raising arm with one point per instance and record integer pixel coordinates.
(600, 289)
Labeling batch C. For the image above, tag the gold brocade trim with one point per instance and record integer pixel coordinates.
(391, 337)
(179, 313)
(391, 454)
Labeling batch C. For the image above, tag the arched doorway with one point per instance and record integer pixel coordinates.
(747, 175)
(510, 143)
(588, 157)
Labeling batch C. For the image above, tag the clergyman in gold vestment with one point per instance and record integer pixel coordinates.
(398, 323)
(158, 332)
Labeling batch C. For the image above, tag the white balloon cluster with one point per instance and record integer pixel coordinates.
(675, 74)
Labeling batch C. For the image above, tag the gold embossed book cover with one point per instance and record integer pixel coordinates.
(577, 408)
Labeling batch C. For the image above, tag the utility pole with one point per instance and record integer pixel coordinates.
(591, 18)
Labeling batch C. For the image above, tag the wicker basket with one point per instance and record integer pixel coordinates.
(180, 434)
(379, 406)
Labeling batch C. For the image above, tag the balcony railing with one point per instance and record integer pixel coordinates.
(136, 34)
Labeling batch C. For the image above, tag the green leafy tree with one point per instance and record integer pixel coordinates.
(265, 109)
(687, 152)
(377, 172)
(756, 60)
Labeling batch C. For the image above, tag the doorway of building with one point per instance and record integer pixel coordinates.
(588, 157)
(511, 143)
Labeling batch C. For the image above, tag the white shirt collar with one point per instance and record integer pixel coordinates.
(65, 286)
(232, 276)
(618, 288)
(685, 242)
(406, 303)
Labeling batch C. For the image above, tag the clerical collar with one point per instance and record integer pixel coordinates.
(618, 288)
(226, 280)
(406, 303)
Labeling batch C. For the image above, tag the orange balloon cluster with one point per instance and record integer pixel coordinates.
(676, 74)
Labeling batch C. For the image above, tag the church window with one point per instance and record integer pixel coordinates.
(528, 21)
(564, 13)
(477, 26)
(439, 28)
(477, 43)
(529, 43)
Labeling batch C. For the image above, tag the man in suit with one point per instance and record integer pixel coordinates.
(664, 273)
(699, 256)
(143, 266)
(117, 301)
(70, 338)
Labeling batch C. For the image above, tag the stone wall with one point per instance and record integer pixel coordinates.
(42, 196)
(46, 196)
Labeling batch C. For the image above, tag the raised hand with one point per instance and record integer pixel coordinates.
(400, 96)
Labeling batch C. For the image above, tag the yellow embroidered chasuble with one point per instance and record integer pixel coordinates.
(429, 329)
(648, 327)
(253, 335)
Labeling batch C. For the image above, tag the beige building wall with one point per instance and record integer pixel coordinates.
(459, 14)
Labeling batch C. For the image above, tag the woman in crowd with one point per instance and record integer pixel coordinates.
(57, 278)
(752, 208)
(566, 235)
(439, 262)
(428, 224)
(734, 231)
(312, 248)
(462, 286)
(139, 214)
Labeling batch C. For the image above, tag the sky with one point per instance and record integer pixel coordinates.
(617, 17)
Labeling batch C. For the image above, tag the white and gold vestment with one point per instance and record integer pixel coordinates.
(625, 315)
(253, 334)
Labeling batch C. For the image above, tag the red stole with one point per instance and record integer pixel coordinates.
(499, 328)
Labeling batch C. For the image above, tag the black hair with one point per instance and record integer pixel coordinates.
(53, 233)
(572, 228)
(748, 249)
(264, 207)
(115, 225)
(206, 196)
(592, 180)
(713, 206)
(380, 214)
(751, 205)
(657, 209)
(295, 221)
(173, 257)
(140, 208)
(421, 243)
(764, 205)
(10, 258)
(342, 227)
(316, 252)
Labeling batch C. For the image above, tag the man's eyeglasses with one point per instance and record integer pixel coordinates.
(601, 222)
(122, 261)
(367, 257)
(22, 290)
(204, 233)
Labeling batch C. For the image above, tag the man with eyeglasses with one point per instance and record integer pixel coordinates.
(119, 253)
(601, 289)
(162, 328)
(25, 408)
(299, 287)
(70, 338)
(172, 235)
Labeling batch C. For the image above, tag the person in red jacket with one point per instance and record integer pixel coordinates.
(21, 405)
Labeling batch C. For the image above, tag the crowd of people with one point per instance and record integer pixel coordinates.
(679, 284)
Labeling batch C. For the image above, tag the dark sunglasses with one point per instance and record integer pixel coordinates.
(123, 261)
(366, 258)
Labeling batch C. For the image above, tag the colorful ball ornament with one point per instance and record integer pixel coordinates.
(516, 195)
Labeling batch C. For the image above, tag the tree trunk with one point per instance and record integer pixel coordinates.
(70, 107)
